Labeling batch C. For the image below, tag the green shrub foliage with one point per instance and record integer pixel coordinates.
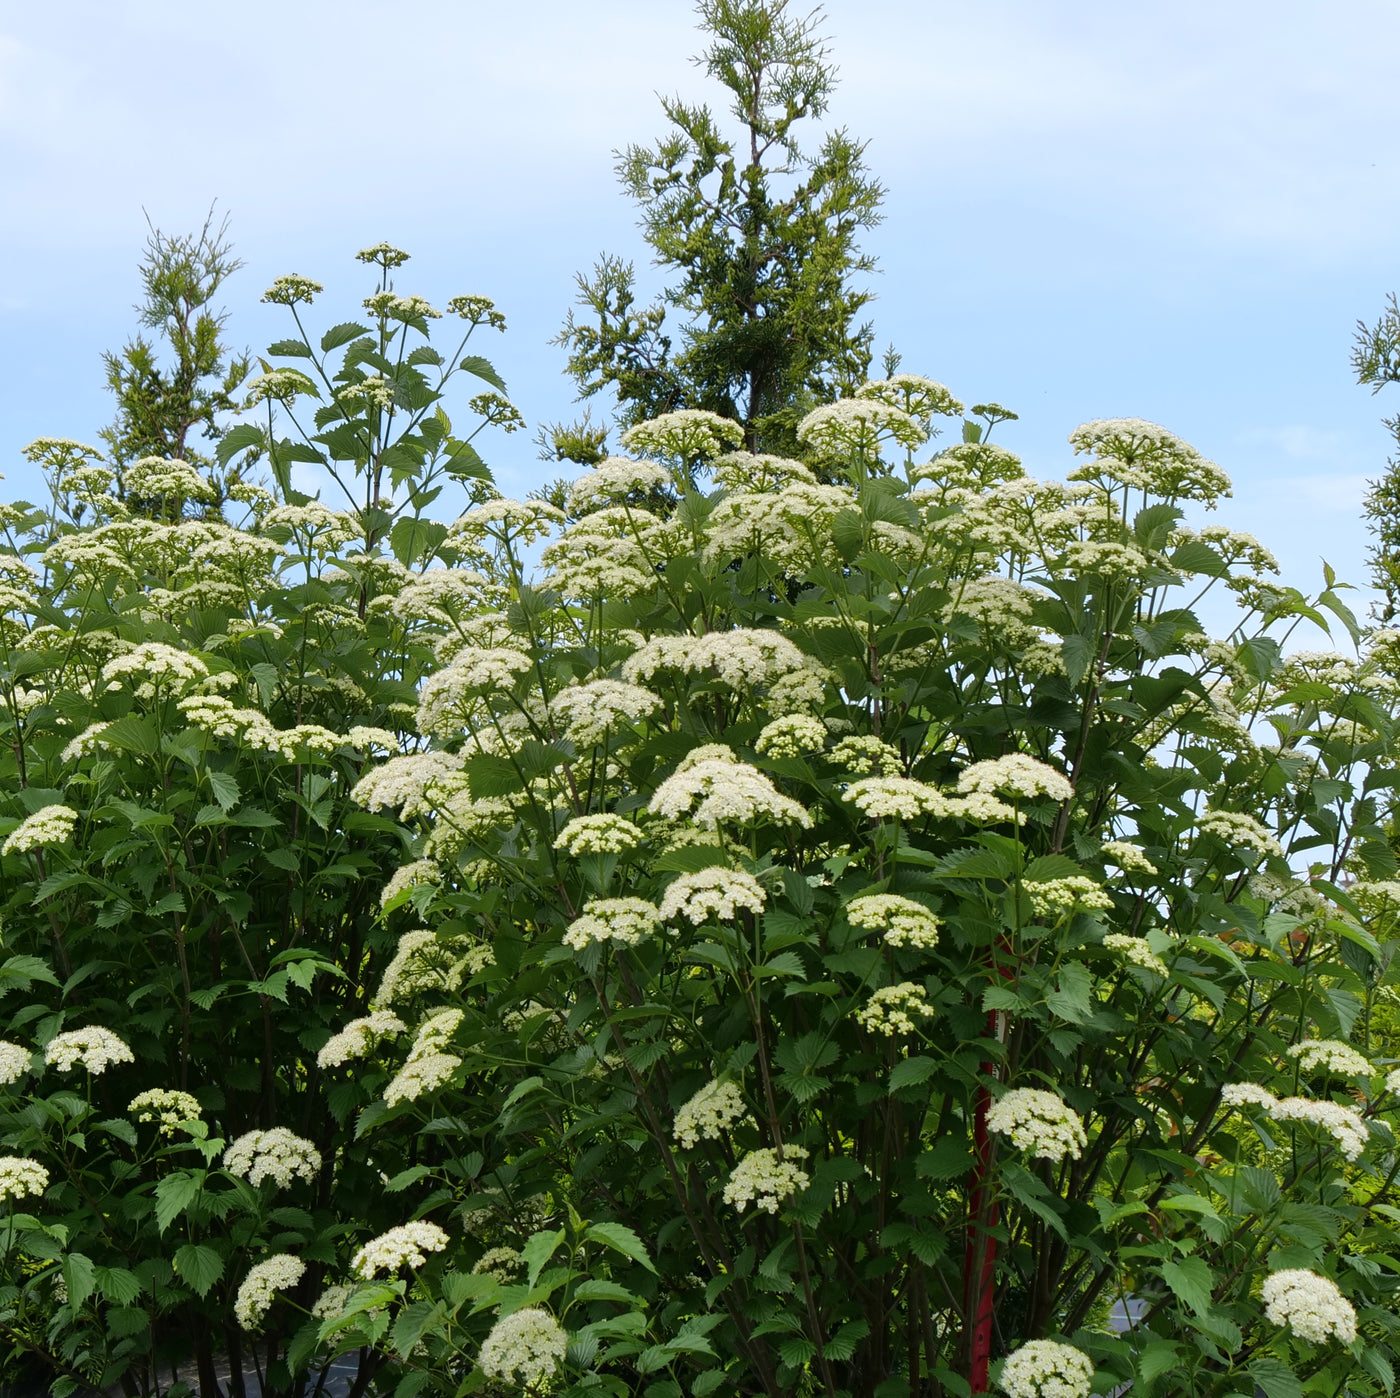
(784, 926)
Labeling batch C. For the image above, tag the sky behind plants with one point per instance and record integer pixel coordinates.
(1171, 211)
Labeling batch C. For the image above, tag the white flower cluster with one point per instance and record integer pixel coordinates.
(87, 741)
(406, 1245)
(615, 478)
(277, 1155)
(716, 789)
(505, 1264)
(791, 736)
(1241, 830)
(913, 393)
(714, 892)
(864, 755)
(1332, 1054)
(593, 711)
(900, 798)
(445, 700)
(1128, 857)
(1345, 1126)
(418, 964)
(1040, 1122)
(19, 1176)
(1139, 453)
(154, 666)
(507, 521)
(629, 921)
(711, 1112)
(686, 433)
(904, 922)
(358, 1037)
(411, 785)
(1312, 1307)
(260, 1287)
(741, 658)
(406, 876)
(764, 1179)
(603, 833)
(93, 1047)
(857, 426)
(524, 1347)
(892, 1009)
(1057, 898)
(165, 1105)
(1016, 774)
(1047, 1369)
(155, 475)
(14, 1062)
(427, 1066)
(1136, 952)
(49, 825)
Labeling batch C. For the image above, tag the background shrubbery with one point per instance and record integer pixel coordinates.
(810, 923)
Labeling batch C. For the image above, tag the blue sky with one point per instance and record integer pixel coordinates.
(1173, 211)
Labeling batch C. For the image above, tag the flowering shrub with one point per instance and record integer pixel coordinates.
(877, 895)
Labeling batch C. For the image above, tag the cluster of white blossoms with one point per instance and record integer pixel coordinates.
(14, 1062)
(741, 658)
(603, 833)
(893, 1009)
(419, 963)
(1136, 952)
(165, 1105)
(1240, 830)
(1016, 774)
(157, 475)
(1047, 1369)
(413, 875)
(1040, 1122)
(524, 1347)
(95, 1048)
(719, 789)
(1057, 898)
(764, 1180)
(405, 1246)
(89, 740)
(687, 433)
(260, 1287)
(277, 1155)
(615, 478)
(1128, 857)
(447, 698)
(505, 1264)
(412, 785)
(900, 798)
(710, 1113)
(1337, 1057)
(49, 825)
(904, 922)
(791, 736)
(865, 755)
(358, 1037)
(154, 666)
(428, 1065)
(505, 522)
(629, 921)
(1312, 1307)
(20, 1176)
(1346, 1127)
(712, 893)
(592, 712)
(857, 426)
